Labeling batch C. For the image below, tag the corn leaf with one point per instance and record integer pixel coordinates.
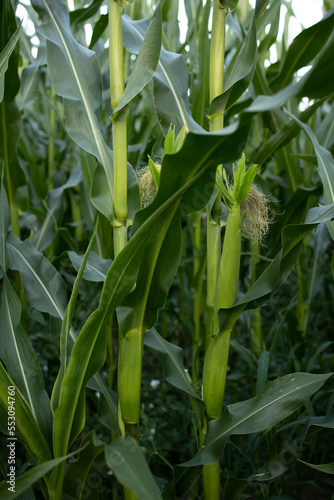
(304, 48)
(279, 399)
(239, 76)
(30, 477)
(81, 89)
(10, 121)
(146, 62)
(26, 427)
(18, 355)
(127, 462)
(283, 136)
(4, 58)
(46, 292)
(65, 329)
(4, 228)
(96, 268)
(172, 362)
(46, 233)
(326, 468)
(170, 80)
(77, 472)
(325, 166)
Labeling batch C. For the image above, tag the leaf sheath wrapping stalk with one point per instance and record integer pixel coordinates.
(129, 375)
(214, 374)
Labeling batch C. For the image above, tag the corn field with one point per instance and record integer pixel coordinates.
(166, 250)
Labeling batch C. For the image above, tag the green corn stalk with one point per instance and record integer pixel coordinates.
(216, 357)
(211, 482)
(119, 125)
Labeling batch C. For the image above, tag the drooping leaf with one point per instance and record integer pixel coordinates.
(96, 268)
(326, 468)
(43, 285)
(322, 70)
(127, 462)
(279, 399)
(46, 233)
(172, 362)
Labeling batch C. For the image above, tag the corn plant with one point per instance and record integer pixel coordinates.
(166, 207)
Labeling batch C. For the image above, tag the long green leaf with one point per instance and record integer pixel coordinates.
(17, 353)
(96, 268)
(146, 62)
(325, 166)
(326, 468)
(172, 362)
(29, 478)
(171, 80)
(240, 74)
(26, 427)
(46, 292)
(304, 48)
(10, 121)
(66, 326)
(76, 76)
(279, 399)
(4, 58)
(128, 464)
(4, 228)
(78, 470)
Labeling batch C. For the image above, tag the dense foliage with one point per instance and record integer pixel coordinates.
(166, 256)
